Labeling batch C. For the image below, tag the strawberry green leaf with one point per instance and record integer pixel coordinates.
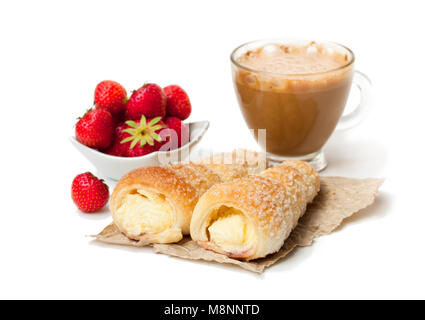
(156, 137)
(149, 140)
(133, 144)
(131, 123)
(127, 139)
(143, 122)
(157, 127)
(142, 142)
(154, 121)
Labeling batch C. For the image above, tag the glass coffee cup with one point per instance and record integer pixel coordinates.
(292, 94)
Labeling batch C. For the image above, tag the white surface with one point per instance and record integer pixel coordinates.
(54, 53)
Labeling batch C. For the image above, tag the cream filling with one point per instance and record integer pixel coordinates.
(231, 231)
(144, 213)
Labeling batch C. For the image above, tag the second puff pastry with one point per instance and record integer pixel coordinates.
(251, 217)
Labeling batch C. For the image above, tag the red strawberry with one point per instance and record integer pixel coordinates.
(178, 103)
(142, 136)
(95, 129)
(149, 101)
(89, 193)
(176, 134)
(111, 96)
(139, 151)
(118, 149)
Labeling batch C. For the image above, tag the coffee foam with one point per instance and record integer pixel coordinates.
(293, 68)
(296, 60)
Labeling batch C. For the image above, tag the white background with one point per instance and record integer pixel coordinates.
(52, 55)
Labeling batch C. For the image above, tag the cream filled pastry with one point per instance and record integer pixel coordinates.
(155, 204)
(251, 217)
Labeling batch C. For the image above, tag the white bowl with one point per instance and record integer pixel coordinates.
(115, 167)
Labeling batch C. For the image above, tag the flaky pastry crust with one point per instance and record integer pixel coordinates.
(270, 203)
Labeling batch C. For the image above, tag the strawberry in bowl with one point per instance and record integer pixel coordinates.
(175, 134)
(149, 100)
(111, 96)
(95, 129)
(178, 103)
(117, 148)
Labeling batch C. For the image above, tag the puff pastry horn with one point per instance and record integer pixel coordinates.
(251, 217)
(155, 204)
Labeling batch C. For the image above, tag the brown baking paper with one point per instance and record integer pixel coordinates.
(338, 199)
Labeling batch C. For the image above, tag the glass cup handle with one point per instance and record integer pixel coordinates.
(352, 119)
